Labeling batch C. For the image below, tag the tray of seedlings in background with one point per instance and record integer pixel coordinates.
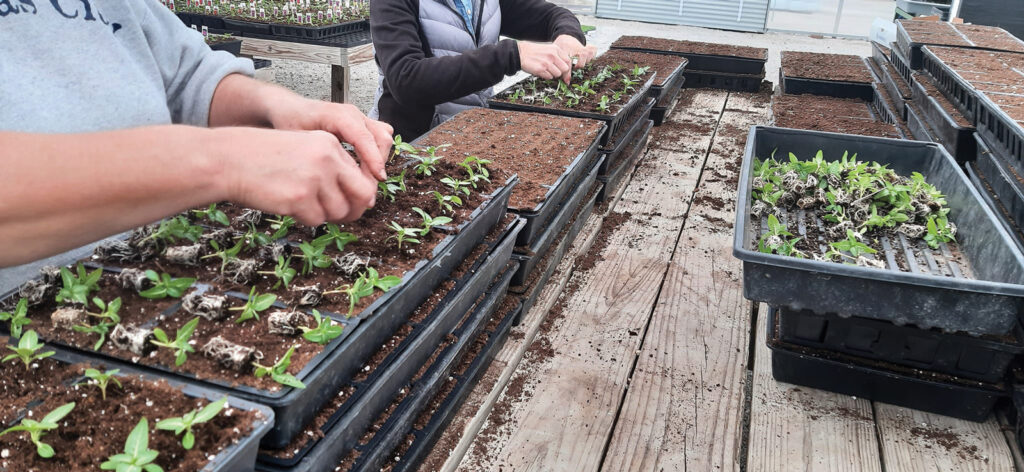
(52, 401)
(611, 155)
(954, 87)
(668, 69)
(1001, 125)
(412, 380)
(1001, 187)
(530, 255)
(439, 413)
(983, 358)
(311, 21)
(224, 42)
(832, 75)
(902, 237)
(189, 16)
(426, 327)
(704, 57)
(549, 153)
(879, 381)
(951, 129)
(624, 168)
(912, 36)
(604, 90)
(264, 343)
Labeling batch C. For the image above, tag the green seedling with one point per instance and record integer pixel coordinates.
(280, 227)
(427, 164)
(430, 222)
(254, 305)
(27, 350)
(17, 318)
(640, 71)
(362, 287)
(382, 283)
(227, 254)
(851, 245)
(102, 379)
(279, 371)
(313, 256)
(185, 423)
(283, 271)
(36, 429)
(254, 238)
(180, 343)
(778, 240)
(939, 231)
(137, 456)
(325, 331)
(108, 319)
(446, 201)
(403, 235)
(475, 170)
(628, 83)
(173, 229)
(394, 184)
(212, 214)
(77, 289)
(166, 286)
(339, 238)
(603, 105)
(400, 147)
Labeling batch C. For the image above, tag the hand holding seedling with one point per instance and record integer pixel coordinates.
(575, 49)
(544, 60)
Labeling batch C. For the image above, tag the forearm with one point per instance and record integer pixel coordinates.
(243, 101)
(62, 191)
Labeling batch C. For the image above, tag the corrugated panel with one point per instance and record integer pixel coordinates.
(740, 15)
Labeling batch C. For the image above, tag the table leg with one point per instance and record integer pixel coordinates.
(339, 84)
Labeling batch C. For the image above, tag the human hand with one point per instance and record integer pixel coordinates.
(371, 139)
(544, 60)
(579, 53)
(305, 174)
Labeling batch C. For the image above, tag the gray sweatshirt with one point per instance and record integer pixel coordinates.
(94, 65)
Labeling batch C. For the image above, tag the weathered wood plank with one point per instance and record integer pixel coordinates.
(684, 407)
(307, 52)
(565, 423)
(915, 441)
(797, 428)
(339, 84)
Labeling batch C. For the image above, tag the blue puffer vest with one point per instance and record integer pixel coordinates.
(447, 35)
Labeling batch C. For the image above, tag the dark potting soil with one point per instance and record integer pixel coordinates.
(537, 89)
(662, 64)
(382, 419)
(1012, 105)
(991, 37)
(432, 302)
(313, 429)
(537, 147)
(828, 114)
(385, 350)
(713, 49)
(948, 34)
(97, 428)
(987, 71)
(398, 453)
(837, 67)
(448, 341)
(903, 87)
(932, 91)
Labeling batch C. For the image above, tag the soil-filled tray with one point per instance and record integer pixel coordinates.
(951, 129)
(911, 36)
(604, 90)
(936, 292)
(433, 421)
(882, 106)
(549, 165)
(530, 255)
(346, 40)
(668, 68)
(991, 198)
(836, 115)
(901, 63)
(881, 381)
(246, 28)
(234, 46)
(893, 85)
(978, 358)
(1004, 183)
(366, 423)
(879, 52)
(419, 340)
(696, 78)
(624, 169)
(954, 87)
(611, 156)
(663, 107)
(708, 57)
(319, 32)
(828, 88)
(226, 442)
(833, 75)
(1001, 132)
(919, 128)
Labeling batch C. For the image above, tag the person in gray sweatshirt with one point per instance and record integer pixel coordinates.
(114, 114)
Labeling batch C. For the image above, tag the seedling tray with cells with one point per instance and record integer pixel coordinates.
(833, 75)
(624, 169)
(357, 426)
(704, 57)
(612, 155)
(951, 129)
(668, 70)
(986, 186)
(345, 270)
(911, 36)
(603, 90)
(954, 87)
(549, 153)
(1003, 182)
(1003, 132)
(425, 329)
(879, 381)
(312, 21)
(57, 401)
(902, 274)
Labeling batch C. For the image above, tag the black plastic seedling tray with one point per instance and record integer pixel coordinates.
(624, 169)
(986, 304)
(696, 78)
(876, 381)
(1001, 180)
(891, 87)
(827, 88)
(335, 366)
(200, 20)
(344, 435)
(426, 438)
(900, 62)
(1002, 134)
(613, 122)
(959, 92)
(612, 155)
(425, 334)
(540, 247)
(985, 189)
(246, 27)
(233, 46)
(671, 85)
(538, 217)
(957, 139)
(714, 63)
(238, 457)
(346, 40)
(877, 53)
(881, 108)
(919, 128)
(319, 32)
(978, 358)
(914, 50)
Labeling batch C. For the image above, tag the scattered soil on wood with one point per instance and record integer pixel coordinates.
(537, 147)
(612, 222)
(664, 65)
(671, 45)
(836, 67)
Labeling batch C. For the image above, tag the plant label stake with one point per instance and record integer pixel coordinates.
(330, 14)
(277, 11)
(206, 31)
(309, 18)
(263, 13)
(252, 11)
(320, 15)
(172, 5)
(216, 10)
